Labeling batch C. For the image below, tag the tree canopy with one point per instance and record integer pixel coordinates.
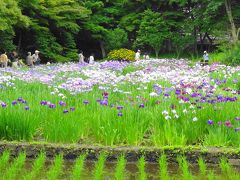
(61, 28)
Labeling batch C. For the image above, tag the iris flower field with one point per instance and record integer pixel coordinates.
(158, 102)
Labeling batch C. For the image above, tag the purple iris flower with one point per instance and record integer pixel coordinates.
(3, 105)
(200, 87)
(98, 100)
(85, 102)
(26, 108)
(237, 129)
(104, 102)
(120, 114)
(141, 105)
(119, 107)
(185, 99)
(235, 81)
(224, 81)
(20, 99)
(210, 122)
(61, 103)
(14, 103)
(194, 95)
(178, 92)
(228, 124)
(237, 118)
(105, 95)
(52, 106)
(43, 103)
(72, 109)
(65, 111)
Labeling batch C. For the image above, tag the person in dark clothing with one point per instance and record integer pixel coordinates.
(29, 60)
(36, 58)
(14, 59)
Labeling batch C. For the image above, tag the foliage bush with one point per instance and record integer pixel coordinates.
(232, 55)
(122, 54)
(116, 39)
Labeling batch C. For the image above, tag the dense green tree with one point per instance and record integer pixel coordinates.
(234, 30)
(104, 17)
(10, 18)
(153, 31)
(54, 26)
(115, 39)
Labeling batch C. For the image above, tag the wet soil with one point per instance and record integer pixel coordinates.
(71, 152)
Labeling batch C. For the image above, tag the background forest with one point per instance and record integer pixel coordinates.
(60, 28)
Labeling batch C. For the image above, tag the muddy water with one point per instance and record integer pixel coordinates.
(131, 173)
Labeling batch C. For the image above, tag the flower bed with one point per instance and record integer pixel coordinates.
(153, 103)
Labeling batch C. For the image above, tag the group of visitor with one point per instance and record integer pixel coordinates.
(34, 59)
(203, 62)
(11, 58)
(138, 56)
(82, 59)
(15, 61)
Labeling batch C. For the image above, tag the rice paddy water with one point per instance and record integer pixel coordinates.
(58, 169)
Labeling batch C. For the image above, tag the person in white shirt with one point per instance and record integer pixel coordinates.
(81, 57)
(91, 59)
(147, 57)
(205, 58)
(137, 55)
(36, 58)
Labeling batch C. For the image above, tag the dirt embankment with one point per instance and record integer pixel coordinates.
(132, 154)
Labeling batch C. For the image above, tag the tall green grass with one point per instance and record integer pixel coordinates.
(56, 169)
(16, 166)
(202, 168)
(183, 166)
(227, 170)
(78, 167)
(211, 175)
(4, 160)
(120, 168)
(163, 167)
(98, 124)
(17, 169)
(99, 167)
(37, 167)
(141, 168)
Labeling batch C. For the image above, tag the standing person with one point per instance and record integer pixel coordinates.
(147, 57)
(29, 60)
(137, 55)
(81, 57)
(36, 58)
(91, 59)
(4, 60)
(14, 59)
(205, 58)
